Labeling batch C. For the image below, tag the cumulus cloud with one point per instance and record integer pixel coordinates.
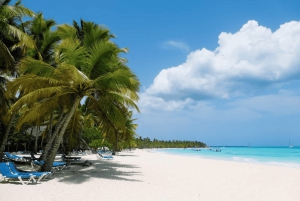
(152, 103)
(242, 64)
(176, 45)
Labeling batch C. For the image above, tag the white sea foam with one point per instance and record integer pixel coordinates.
(243, 159)
(273, 163)
(290, 165)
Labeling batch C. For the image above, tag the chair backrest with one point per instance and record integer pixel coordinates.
(12, 167)
(7, 154)
(11, 155)
(4, 169)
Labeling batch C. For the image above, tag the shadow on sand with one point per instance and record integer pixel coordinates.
(105, 169)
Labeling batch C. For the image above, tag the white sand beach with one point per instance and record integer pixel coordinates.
(142, 175)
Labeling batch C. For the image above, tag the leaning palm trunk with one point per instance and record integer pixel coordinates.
(4, 141)
(47, 166)
(115, 144)
(50, 141)
(37, 130)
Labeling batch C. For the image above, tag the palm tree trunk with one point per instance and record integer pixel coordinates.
(42, 142)
(36, 139)
(61, 120)
(9, 126)
(115, 144)
(50, 124)
(47, 166)
(49, 132)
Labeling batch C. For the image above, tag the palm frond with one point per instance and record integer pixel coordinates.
(66, 31)
(72, 74)
(94, 33)
(120, 78)
(5, 56)
(29, 65)
(25, 40)
(102, 58)
(42, 94)
(29, 83)
(70, 52)
(22, 11)
(38, 111)
(107, 112)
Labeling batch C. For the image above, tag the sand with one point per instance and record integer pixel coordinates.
(144, 175)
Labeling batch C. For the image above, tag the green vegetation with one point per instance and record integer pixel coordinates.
(57, 70)
(65, 87)
(147, 143)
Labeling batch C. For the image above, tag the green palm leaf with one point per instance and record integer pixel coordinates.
(29, 65)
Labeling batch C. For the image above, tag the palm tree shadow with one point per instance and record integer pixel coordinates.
(102, 169)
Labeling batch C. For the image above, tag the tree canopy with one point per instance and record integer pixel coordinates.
(70, 82)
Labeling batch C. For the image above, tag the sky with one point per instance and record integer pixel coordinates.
(224, 72)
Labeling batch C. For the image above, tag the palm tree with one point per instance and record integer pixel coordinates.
(129, 136)
(3, 105)
(90, 68)
(11, 32)
(13, 41)
(117, 132)
(40, 30)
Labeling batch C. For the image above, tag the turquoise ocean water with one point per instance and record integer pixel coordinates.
(281, 156)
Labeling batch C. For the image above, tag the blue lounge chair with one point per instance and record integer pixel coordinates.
(107, 157)
(40, 175)
(69, 158)
(55, 165)
(15, 158)
(12, 156)
(7, 175)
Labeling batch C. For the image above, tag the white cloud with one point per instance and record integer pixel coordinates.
(176, 45)
(284, 103)
(197, 111)
(152, 103)
(242, 64)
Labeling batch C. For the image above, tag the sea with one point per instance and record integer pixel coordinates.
(277, 155)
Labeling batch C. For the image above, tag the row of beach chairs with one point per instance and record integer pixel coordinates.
(9, 171)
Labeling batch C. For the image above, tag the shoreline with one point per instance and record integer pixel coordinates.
(292, 163)
(146, 175)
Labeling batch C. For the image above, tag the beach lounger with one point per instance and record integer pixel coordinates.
(7, 175)
(17, 159)
(55, 165)
(69, 158)
(12, 156)
(40, 175)
(82, 163)
(107, 157)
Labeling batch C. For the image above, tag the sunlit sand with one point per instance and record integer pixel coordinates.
(143, 175)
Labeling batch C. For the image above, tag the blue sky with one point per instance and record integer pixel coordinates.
(222, 72)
